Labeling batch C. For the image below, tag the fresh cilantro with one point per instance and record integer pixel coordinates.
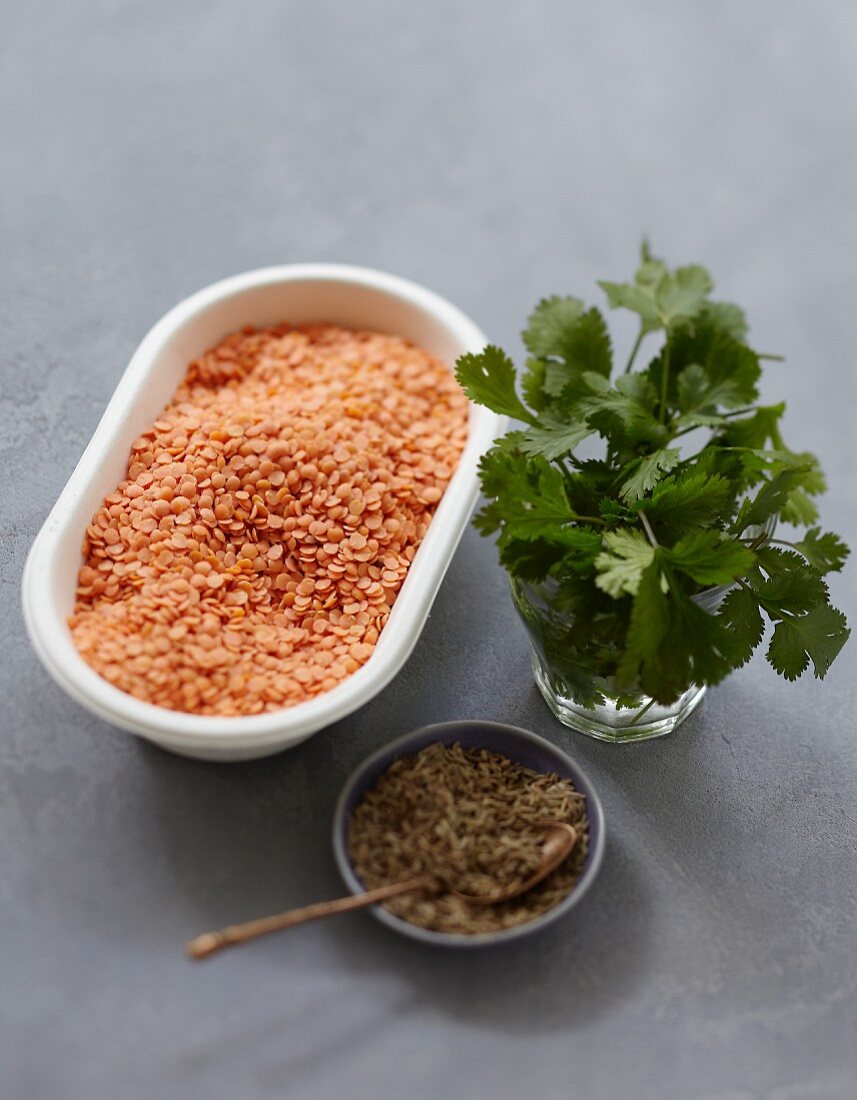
(790, 588)
(551, 326)
(817, 636)
(561, 329)
(754, 431)
(740, 612)
(663, 299)
(709, 558)
(647, 471)
(687, 500)
(681, 296)
(573, 550)
(712, 369)
(623, 413)
(655, 562)
(770, 500)
(620, 566)
(825, 552)
(529, 496)
(800, 509)
(488, 378)
(553, 438)
(726, 317)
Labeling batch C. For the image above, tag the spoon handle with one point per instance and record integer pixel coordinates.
(210, 942)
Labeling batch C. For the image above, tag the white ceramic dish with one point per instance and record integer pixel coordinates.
(297, 293)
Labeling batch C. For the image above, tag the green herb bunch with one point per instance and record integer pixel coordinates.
(692, 477)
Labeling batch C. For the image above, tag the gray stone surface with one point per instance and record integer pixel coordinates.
(495, 152)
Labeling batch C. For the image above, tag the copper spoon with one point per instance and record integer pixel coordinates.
(559, 841)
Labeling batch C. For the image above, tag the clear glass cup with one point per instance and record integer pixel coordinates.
(563, 664)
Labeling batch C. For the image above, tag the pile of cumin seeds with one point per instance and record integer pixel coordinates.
(471, 819)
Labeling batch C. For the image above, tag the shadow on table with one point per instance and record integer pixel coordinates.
(567, 976)
(231, 842)
(694, 805)
(223, 843)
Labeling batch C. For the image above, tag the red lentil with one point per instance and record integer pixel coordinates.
(250, 559)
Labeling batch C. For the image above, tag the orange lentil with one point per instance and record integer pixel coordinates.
(267, 519)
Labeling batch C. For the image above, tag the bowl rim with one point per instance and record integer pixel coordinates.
(398, 747)
(279, 729)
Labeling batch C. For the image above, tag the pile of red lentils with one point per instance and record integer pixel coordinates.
(250, 559)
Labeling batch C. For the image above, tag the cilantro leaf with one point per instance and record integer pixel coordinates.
(661, 298)
(626, 410)
(800, 509)
(621, 564)
(488, 378)
(712, 648)
(528, 559)
(551, 326)
(740, 612)
(650, 621)
(571, 549)
(770, 500)
(774, 561)
(693, 387)
(650, 270)
(825, 552)
(754, 431)
(647, 472)
(529, 496)
(709, 558)
(552, 438)
(681, 296)
(770, 460)
(639, 299)
(712, 370)
(586, 350)
(817, 636)
(672, 642)
(533, 384)
(568, 342)
(726, 317)
(687, 421)
(614, 512)
(791, 587)
(693, 498)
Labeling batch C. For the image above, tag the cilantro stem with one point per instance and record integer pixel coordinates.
(665, 374)
(634, 350)
(642, 711)
(759, 539)
(771, 357)
(647, 527)
(590, 519)
(723, 416)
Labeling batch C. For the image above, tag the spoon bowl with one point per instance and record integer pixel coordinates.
(560, 839)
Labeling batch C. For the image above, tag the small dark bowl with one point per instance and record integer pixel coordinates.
(519, 745)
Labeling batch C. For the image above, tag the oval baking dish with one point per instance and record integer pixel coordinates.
(298, 293)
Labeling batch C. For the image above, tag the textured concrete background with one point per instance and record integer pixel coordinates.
(495, 152)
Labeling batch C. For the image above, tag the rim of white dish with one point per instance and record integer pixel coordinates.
(81, 681)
